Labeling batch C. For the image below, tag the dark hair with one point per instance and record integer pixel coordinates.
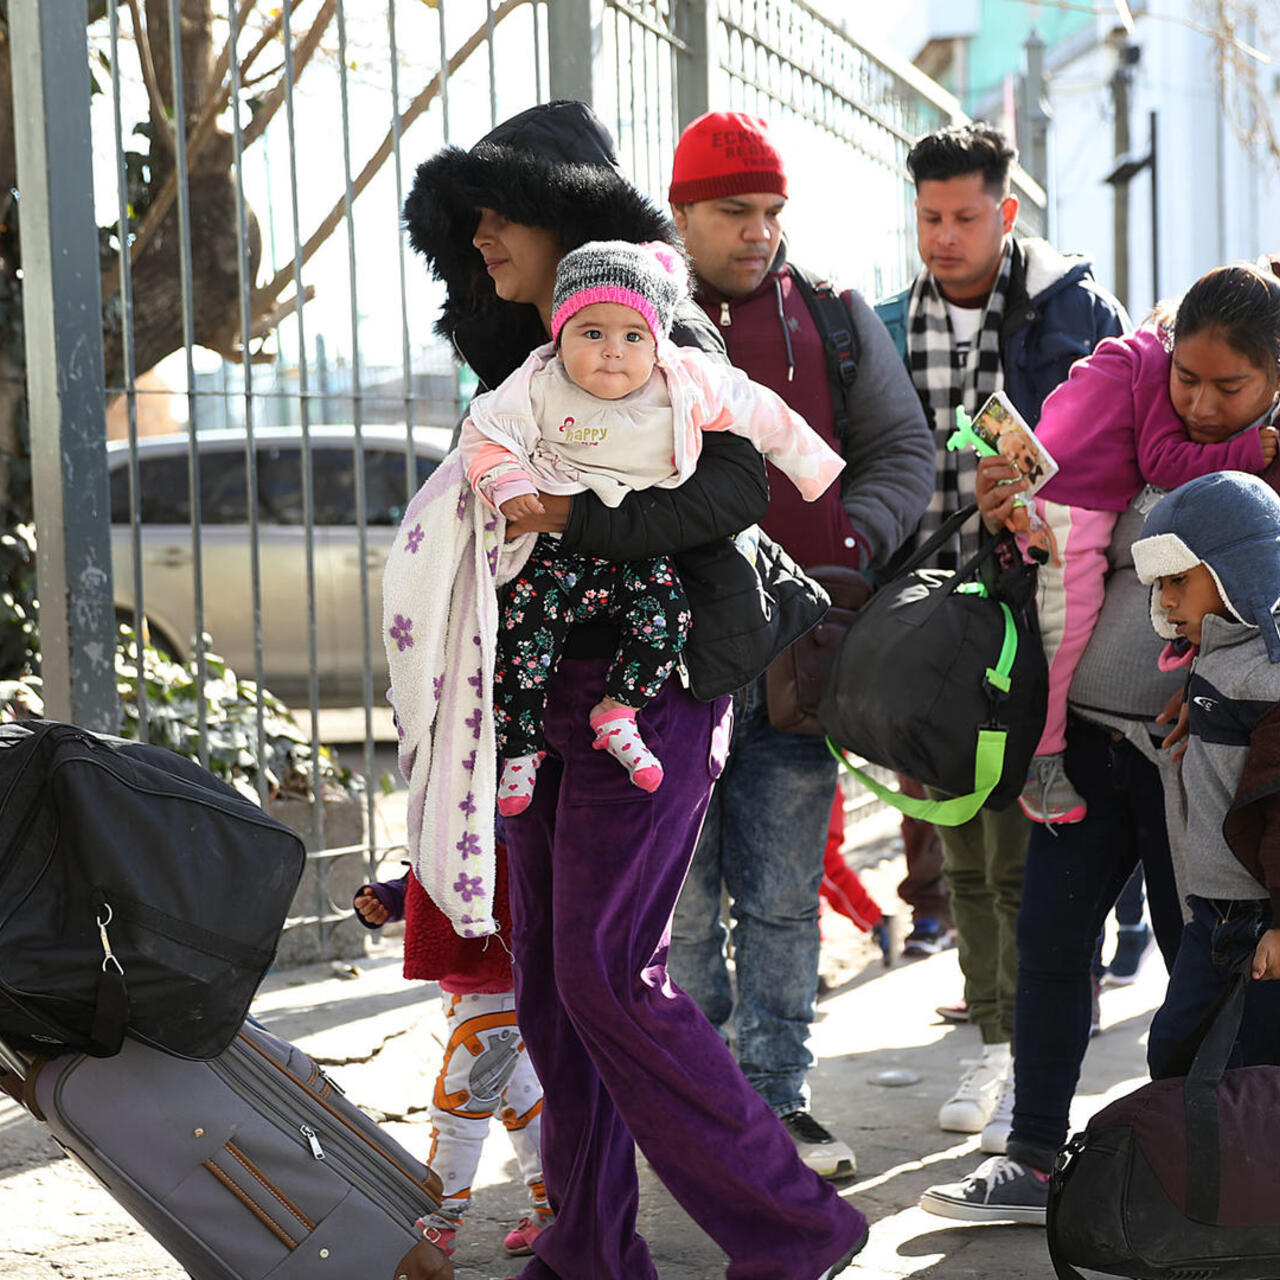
(1242, 305)
(964, 148)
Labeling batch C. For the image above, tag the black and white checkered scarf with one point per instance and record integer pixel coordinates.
(945, 379)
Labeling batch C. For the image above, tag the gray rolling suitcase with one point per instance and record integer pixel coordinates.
(243, 1166)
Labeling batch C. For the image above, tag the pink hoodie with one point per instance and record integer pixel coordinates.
(1112, 428)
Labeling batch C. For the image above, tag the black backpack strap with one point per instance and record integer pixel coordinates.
(835, 326)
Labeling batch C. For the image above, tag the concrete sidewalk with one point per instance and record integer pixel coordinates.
(378, 1037)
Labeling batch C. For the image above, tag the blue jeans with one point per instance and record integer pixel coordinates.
(1073, 876)
(763, 840)
(1217, 938)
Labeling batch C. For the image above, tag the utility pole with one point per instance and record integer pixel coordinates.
(1126, 55)
(1037, 112)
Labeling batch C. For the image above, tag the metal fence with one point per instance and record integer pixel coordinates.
(258, 283)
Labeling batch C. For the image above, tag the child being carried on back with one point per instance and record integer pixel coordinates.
(611, 405)
(1176, 400)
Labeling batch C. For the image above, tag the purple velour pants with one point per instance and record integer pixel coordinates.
(625, 1057)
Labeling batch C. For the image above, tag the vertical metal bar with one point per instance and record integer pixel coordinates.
(573, 36)
(188, 345)
(250, 443)
(406, 357)
(493, 80)
(304, 414)
(62, 315)
(444, 72)
(129, 375)
(1155, 212)
(357, 413)
(537, 51)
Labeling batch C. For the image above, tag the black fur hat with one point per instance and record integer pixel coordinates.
(553, 165)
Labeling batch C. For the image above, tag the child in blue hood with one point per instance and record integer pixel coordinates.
(1211, 552)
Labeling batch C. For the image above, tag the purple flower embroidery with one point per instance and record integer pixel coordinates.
(493, 560)
(490, 525)
(473, 723)
(476, 680)
(469, 846)
(414, 540)
(468, 806)
(462, 503)
(469, 763)
(437, 685)
(467, 887)
(400, 632)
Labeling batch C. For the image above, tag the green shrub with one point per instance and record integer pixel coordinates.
(231, 709)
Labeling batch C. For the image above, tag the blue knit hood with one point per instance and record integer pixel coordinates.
(1229, 522)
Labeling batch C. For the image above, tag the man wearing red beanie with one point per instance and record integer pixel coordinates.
(833, 361)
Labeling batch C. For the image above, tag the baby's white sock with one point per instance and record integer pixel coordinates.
(619, 735)
(515, 789)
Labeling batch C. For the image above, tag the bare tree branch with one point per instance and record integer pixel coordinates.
(162, 129)
(284, 276)
(303, 54)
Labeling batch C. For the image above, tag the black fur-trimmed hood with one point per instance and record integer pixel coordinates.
(551, 166)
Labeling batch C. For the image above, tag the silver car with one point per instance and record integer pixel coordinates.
(168, 559)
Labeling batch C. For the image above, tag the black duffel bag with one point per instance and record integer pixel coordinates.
(1178, 1180)
(138, 892)
(942, 676)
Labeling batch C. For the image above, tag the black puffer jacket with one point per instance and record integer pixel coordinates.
(554, 166)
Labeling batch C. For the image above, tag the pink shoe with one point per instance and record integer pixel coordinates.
(519, 1241)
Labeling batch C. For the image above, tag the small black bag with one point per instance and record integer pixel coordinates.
(1178, 1180)
(137, 892)
(942, 676)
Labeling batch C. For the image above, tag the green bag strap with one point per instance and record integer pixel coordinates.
(988, 765)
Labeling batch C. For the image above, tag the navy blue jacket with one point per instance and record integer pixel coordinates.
(1056, 313)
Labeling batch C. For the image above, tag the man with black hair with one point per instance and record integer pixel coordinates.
(765, 831)
(988, 312)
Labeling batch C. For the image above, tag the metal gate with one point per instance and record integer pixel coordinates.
(240, 284)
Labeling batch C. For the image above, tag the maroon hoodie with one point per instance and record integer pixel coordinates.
(792, 362)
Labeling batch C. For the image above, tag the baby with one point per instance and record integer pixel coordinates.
(611, 406)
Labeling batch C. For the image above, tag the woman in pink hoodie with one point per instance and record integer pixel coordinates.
(1151, 409)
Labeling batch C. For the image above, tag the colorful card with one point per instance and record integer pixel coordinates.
(1005, 430)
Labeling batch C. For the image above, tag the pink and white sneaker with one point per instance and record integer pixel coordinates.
(1048, 796)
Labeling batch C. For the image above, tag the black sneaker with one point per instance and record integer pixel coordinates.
(821, 1151)
(1132, 944)
(927, 938)
(999, 1190)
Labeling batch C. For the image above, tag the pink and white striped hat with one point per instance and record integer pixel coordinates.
(650, 278)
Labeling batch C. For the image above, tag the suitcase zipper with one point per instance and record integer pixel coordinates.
(371, 1164)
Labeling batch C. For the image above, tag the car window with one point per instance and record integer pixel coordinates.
(280, 485)
(384, 485)
(165, 491)
(223, 489)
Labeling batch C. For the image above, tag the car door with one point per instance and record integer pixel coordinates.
(289, 595)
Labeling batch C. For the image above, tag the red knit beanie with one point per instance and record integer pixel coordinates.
(725, 153)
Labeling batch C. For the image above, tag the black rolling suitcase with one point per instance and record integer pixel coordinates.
(247, 1165)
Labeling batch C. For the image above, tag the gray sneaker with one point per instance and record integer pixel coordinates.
(822, 1151)
(999, 1190)
(1048, 796)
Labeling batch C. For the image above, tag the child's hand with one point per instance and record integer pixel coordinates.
(370, 910)
(1269, 439)
(1266, 959)
(522, 507)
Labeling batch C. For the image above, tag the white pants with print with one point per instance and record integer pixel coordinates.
(486, 1070)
